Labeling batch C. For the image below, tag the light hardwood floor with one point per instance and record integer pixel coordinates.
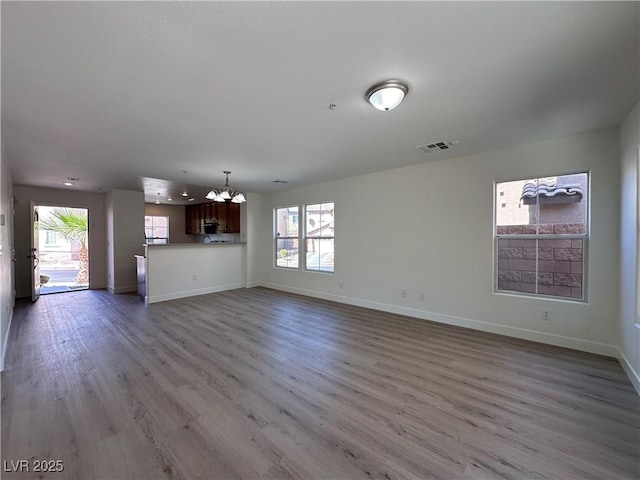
(263, 384)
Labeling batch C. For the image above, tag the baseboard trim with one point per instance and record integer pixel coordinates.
(129, 289)
(5, 342)
(629, 370)
(548, 338)
(253, 284)
(192, 293)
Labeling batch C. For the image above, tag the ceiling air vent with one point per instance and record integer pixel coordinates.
(434, 147)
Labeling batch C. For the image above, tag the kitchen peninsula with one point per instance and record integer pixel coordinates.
(179, 270)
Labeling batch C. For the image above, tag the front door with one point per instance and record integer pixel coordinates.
(34, 254)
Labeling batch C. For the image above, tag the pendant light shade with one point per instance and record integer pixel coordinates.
(226, 193)
(387, 95)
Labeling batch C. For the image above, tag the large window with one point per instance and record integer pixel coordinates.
(319, 232)
(541, 236)
(156, 229)
(287, 233)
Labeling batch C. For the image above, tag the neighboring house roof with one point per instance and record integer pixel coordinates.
(546, 190)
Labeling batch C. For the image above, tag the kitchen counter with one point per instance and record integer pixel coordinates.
(212, 244)
(179, 270)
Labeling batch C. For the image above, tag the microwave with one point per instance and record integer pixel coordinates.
(210, 228)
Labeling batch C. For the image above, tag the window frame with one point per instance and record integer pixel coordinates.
(585, 237)
(276, 237)
(306, 238)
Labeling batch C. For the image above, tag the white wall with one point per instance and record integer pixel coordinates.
(252, 221)
(7, 289)
(436, 235)
(187, 270)
(629, 340)
(110, 252)
(94, 202)
(124, 211)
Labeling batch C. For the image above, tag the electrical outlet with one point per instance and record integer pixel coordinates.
(341, 284)
(546, 314)
(423, 297)
(403, 293)
(195, 278)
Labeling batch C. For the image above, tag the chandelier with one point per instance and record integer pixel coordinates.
(226, 193)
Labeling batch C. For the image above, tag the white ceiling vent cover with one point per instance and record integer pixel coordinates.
(434, 147)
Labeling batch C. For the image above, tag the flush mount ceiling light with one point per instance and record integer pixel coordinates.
(387, 95)
(226, 193)
(70, 181)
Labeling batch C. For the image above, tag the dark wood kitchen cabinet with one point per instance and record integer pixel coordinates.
(228, 217)
(227, 214)
(221, 215)
(233, 217)
(192, 222)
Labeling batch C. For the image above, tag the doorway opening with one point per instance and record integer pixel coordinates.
(63, 245)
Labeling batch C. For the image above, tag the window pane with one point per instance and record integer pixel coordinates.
(563, 204)
(517, 265)
(557, 203)
(320, 254)
(319, 218)
(287, 222)
(160, 221)
(516, 207)
(160, 232)
(156, 226)
(560, 267)
(560, 264)
(287, 252)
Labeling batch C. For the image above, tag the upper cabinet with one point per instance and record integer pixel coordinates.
(192, 219)
(227, 214)
(233, 217)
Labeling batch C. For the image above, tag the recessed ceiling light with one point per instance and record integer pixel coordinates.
(191, 199)
(184, 194)
(169, 199)
(68, 184)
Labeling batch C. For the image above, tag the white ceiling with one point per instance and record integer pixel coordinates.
(114, 93)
